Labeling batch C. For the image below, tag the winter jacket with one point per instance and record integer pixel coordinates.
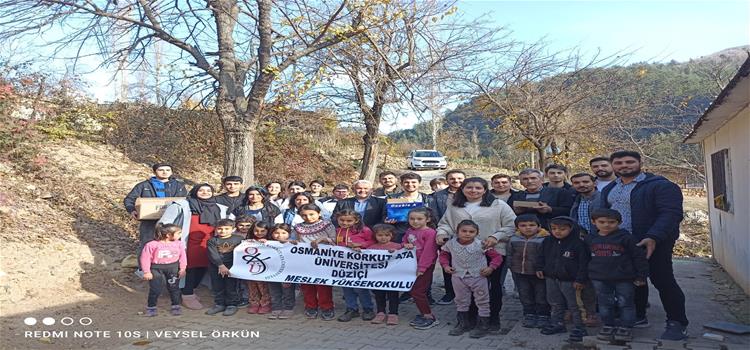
(362, 236)
(425, 246)
(438, 201)
(557, 198)
(173, 188)
(221, 250)
(615, 257)
(655, 208)
(269, 212)
(495, 220)
(564, 259)
(522, 252)
(230, 202)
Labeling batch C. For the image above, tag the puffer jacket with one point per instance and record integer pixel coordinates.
(522, 252)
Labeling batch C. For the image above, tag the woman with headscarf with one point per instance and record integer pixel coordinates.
(256, 204)
(197, 216)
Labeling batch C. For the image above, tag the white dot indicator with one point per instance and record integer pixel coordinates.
(48, 321)
(29, 321)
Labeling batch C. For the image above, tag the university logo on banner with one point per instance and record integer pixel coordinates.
(326, 265)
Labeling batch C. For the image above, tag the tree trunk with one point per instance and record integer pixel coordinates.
(542, 154)
(239, 151)
(370, 157)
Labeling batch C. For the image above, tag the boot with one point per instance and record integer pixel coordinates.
(461, 321)
(191, 302)
(481, 329)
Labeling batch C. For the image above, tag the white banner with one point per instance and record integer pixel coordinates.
(327, 265)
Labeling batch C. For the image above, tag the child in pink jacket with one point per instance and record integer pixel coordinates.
(421, 236)
(164, 260)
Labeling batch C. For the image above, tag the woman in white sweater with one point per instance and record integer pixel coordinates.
(475, 202)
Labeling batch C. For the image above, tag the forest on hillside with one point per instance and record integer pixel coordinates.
(651, 115)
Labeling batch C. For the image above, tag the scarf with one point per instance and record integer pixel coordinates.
(207, 209)
(159, 187)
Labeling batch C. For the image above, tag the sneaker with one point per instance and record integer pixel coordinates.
(176, 310)
(243, 303)
(529, 321)
(542, 321)
(606, 333)
(623, 334)
(405, 298)
(674, 331)
(445, 300)
(417, 320)
(379, 318)
(328, 315)
(427, 323)
(264, 309)
(553, 328)
(641, 323)
(431, 301)
(274, 315)
(577, 334)
(253, 308)
(349, 315)
(311, 313)
(150, 312)
(286, 314)
(391, 320)
(215, 309)
(368, 315)
(230, 310)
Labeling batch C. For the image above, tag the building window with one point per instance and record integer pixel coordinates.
(722, 180)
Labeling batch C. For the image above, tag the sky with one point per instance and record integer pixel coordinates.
(654, 30)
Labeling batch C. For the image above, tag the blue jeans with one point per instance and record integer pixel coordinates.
(616, 294)
(351, 295)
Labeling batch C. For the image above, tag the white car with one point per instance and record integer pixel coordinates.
(426, 159)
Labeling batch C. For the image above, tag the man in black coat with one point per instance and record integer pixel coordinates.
(162, 184)
(550, 201)
(651, 209)
(372, 209)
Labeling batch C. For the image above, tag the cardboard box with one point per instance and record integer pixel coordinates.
(153, 208)
(525, 204)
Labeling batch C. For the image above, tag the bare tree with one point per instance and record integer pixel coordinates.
(390, 66)
(552, 101)
(234, 54)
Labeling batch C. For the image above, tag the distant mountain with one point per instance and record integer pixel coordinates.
(669, 84)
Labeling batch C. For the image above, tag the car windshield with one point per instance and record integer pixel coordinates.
(428, 154)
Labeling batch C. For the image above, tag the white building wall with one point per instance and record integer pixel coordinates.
(730, 232)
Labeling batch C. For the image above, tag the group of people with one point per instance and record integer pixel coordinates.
(573, 249)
